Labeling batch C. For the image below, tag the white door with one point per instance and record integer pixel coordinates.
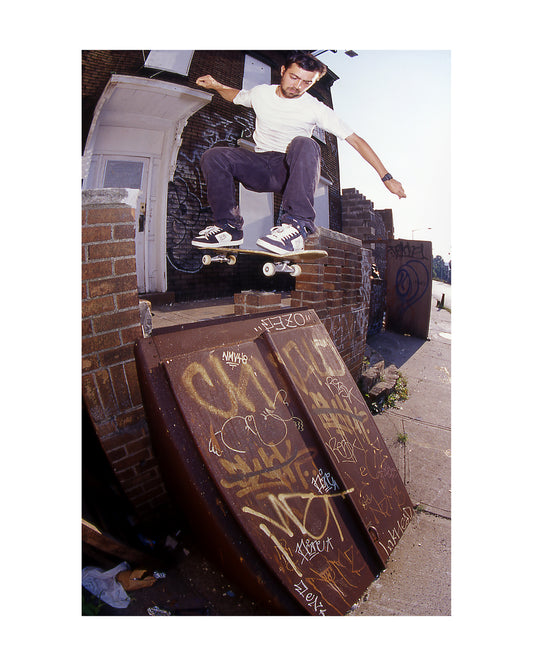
(134, 140)
(133, 173)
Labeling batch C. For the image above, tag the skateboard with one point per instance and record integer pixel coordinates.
(286, 263)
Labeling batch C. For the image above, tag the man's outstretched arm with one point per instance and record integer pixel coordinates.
(210, 83)
(370, 156)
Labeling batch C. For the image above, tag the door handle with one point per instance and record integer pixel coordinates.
(142, 217)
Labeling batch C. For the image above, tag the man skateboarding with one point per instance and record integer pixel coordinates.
(286, 159)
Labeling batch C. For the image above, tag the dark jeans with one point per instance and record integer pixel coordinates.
(294, 174)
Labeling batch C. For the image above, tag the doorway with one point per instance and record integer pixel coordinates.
(134, 139)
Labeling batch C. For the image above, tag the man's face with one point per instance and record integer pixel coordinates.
(295, 81)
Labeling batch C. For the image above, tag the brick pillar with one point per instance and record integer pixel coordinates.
(338, 289)
(110, 325)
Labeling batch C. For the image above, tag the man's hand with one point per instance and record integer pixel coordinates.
(208, 82)
(395, 187)
(370, 156)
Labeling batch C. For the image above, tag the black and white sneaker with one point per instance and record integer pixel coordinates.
(218, 236)
(281, 240)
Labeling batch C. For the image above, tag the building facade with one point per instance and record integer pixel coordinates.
(145, 126)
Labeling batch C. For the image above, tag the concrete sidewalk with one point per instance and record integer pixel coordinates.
(417, 580)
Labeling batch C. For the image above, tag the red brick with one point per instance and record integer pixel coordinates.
(112, 285)
(131, 334)
(120, 387)
(112, 215)
(133, 382)
(116, 320)
(133, 448)
(105, 389)
(96, 306)
(92, 398)
(133, 418)
(106, 429)
(96, 269)
(123, 231)
(124, 475)
(122, 437)
(263, 299)
(96, 343)
(116, 355)
(96, 234)
(89, 363)
(117, 454)
(112, 250)
(128, 300)
(125, 266)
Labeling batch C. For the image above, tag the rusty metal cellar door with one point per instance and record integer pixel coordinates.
(289, 447)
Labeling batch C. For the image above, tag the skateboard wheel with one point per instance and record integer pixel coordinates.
(206, 259)
(296, 270)
(231, 259)
(269, 269)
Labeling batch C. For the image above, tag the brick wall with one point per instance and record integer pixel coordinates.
(359, 219)
(219, 123)
(110, 326)
(253, 302)
(337, 288)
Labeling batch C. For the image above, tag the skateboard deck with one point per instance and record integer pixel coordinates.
(285, 263)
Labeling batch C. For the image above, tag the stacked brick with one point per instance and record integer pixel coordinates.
(253, 302)
(359, 219)
(110, 326)
(338, 289)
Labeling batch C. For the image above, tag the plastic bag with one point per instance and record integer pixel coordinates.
(104, 586)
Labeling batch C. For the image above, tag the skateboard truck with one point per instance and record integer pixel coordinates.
(226, 258)
(284, 266)
(272, 263)
(269, 267)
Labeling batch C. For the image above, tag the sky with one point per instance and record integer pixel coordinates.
(399, 102)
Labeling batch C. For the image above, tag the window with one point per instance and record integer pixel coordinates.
(255, 73)
(170, 61)
(119, 173)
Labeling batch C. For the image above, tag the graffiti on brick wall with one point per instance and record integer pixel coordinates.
(348, 330)
(364, 290)
(377, 308)
(187, 208)
(184, 214)
(409, 286)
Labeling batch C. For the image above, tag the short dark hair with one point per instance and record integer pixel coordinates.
(306, 61)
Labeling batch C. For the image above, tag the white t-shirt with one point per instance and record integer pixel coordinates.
(280, 120)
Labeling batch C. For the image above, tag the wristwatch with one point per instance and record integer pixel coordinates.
(387, 176)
